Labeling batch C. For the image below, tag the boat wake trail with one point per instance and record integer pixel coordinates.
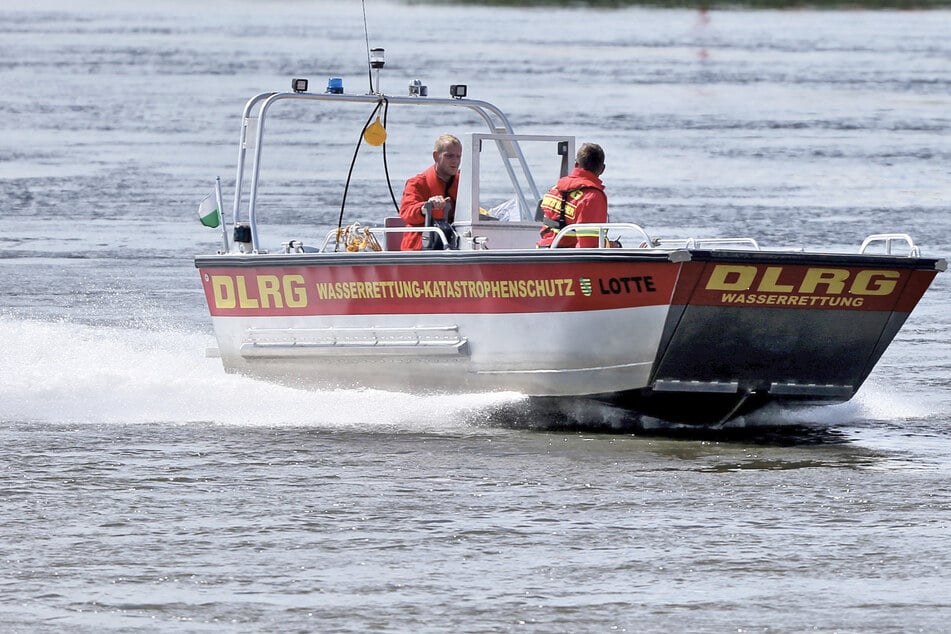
(62, 372)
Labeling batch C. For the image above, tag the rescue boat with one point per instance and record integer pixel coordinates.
(690, 330)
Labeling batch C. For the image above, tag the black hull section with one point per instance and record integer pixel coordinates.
(729, 361)
(746, 330)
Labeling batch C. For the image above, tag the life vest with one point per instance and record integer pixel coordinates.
(419, 188)
(576, 198)
(557, 208)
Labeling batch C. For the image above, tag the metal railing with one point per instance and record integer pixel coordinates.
(707, 243)
(602, 229)
(888, 240)
(332, 243)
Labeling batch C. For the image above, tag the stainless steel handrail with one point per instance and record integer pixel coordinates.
(888, 239)
(700, 243)
(602, 228)
(382, 231)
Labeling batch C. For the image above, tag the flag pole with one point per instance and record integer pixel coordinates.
(221, 217)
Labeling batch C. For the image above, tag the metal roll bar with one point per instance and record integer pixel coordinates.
(258, 106)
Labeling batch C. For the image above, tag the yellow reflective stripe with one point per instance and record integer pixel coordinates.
(553, 203)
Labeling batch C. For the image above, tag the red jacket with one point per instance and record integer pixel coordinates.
(418, 190)
(584, 201)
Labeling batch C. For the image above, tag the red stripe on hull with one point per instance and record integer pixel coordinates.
(497, 288)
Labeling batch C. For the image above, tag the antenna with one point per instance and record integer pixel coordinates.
(366, 33)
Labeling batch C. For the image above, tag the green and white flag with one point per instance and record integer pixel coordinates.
(208, 211)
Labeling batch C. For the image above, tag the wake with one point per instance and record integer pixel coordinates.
(63, 372)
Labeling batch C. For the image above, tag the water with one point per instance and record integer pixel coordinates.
(145, 490)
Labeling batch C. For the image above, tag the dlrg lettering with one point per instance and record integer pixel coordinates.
(813, 280)
(266, 291)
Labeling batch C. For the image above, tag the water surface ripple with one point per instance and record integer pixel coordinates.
(142, 489)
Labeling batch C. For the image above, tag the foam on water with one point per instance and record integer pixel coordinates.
(874, 402)
(81, 374)
(75, 373)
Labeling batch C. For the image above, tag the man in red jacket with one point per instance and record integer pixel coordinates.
(433, 189)
(576, 198)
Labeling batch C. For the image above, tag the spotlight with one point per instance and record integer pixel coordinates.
(417, 89)
(299, 85)
(458, 90)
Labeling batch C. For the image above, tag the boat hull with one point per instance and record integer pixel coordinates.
(695, 336)
(450, 322)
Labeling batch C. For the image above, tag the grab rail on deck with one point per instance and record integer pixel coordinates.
(701, 243)
(382, 232)
(889, 239)
(623, 228)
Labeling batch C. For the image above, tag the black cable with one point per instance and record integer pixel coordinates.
(386, 168)
(353, 162)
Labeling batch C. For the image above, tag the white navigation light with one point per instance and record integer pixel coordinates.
(376, 63)
(299, 85)
(458, 90)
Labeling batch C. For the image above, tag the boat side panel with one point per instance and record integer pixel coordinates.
(560, 353)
